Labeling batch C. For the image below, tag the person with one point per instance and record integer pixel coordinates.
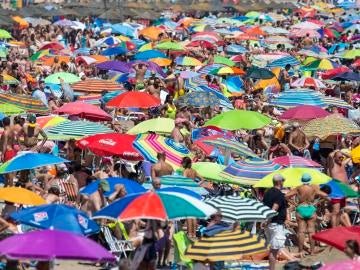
(169, 108)
(177, 133)
(284, 77)
(96, 200)
(7, 141)
(278, 149)
(306, 210)
(119, 192)
(337, 166)
(298, 141)
(156, 183)
(31, 131)
(352, 249)
(161, 167)
(275, 233)
(140, 70)
(39, 93)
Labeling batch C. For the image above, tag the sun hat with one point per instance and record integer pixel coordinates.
(306, 178)
(104, 185)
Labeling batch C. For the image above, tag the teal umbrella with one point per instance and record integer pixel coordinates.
(67, 77)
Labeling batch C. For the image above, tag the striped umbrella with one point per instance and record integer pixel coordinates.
(235, 208)
(96, 86)
(308, 82)
(337, 102)
(295, 161)
(206, 69)
(282, 62)
(293, 98)
(75, 130)
(249, 171)
(149, 145)
(234, 146)
(226, 246)
(28, 104)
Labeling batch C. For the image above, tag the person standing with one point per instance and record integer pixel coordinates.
(161, 167)
(275, 232)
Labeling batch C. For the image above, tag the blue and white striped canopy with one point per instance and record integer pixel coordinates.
(293, 98)
(282, 62)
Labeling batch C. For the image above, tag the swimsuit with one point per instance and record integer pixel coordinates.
(306, 211)
(171, 111)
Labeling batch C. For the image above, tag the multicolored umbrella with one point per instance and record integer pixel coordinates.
(170, 45)
(226, 246)
(337, 237)
(53, 244)
(231, 145)
(336, 102)
(50, 120)
(67, 77)
(157, 125)
(20, 196)
(28, 104)
(320, 64)
(341, 190)
(111, 144)
(156, 205)
(304, 113)
(249, 171)
(227, 71)
(235, 208)
(7, 79)
(199, 99)
(134, 99)
(239, 119)
(187, 61)
(57, 217)
(296, 162)
(282, 62)
(293, 176)
(9, 109)
(149, 145)
(347, 264)
(306, 82)
(96, 86)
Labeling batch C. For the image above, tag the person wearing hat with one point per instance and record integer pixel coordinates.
(95, 201)
(31, 131)
(305, 210)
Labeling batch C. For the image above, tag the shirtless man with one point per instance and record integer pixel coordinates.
(161, 167)
(307, 42)
(306, 211)
(140, 75)
(297, 141)
(31, 132)
(7, 141)
(176, 134)
(154, 89)
(95, 201)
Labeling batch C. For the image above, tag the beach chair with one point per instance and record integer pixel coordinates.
(117, 247)
(68, 194)
(181, 243)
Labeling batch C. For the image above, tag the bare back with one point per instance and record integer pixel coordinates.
(306, 193)
(161, 168)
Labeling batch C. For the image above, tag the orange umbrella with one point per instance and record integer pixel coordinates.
(100, 58)
(17, 43)
(162, 62)
(20, 196)
(246, 37)
(255, 31)
(151, 32)
(50, 61)
(22, 22)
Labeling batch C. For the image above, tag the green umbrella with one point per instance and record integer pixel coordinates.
(3, 53)
(67, 77)
(157, 125)
(9, 109)
(351, 54)
(4, 34)
(169, 45)
(239, 119)
(259, 73)
(341, 190)
(252, 14)
(209, 170)
(223, 60)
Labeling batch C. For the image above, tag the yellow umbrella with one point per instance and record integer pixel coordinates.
(123, 38)
(22, 22)
(20, 196)
(293, 176)
(355, 154)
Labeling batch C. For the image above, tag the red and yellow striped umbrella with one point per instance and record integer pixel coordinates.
(96, 86)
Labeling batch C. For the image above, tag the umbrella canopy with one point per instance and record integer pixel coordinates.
(224, 61)
(346, 76)
(238, 119)
(259, 73)
(53, 244)
(337, 237)
(226, 246)
(249, 171)
(149, 54)
(129, 185)
(29, 161)
(134, 99)
(114, 65)
(67, 77)
(187, 61)
(20, 196)
(296, 162)
(305, 82)
(9, 109)
(96, 86)
(199, 99)
(293, 98)
(234, 146)
(149, 145)
(304, 113)
(293, 176)
(151, 32)
(50, 120)
(111, 144)
(157, 125)
(156, 205)
(235, 208)
(320, 64)
(118, 50)
(4, 34)
(283, 61)
(28, 104)
(209, 170)
(58, 217)
(341, 190)
(170, 45)
(348, 264)
(330, 125)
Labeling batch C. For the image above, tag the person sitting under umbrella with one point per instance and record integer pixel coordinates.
(31, 132)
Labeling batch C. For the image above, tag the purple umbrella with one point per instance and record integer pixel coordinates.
(48, 245)
(114, 65)
(151, 66)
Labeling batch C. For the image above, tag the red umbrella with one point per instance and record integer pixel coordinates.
(337, 237)
(84, 110)
(296, 162)
(207, 149)
(53, 46)
(111, 144)
(333, 72)
(304, 112)
(200, 43)
(134, 99)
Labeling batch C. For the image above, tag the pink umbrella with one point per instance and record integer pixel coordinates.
(348, 265)
(308, 82)
(84, 110)
(296, 162)
(303, 32)
(304, 112)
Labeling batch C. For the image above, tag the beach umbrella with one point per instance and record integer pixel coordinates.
(341, 190)
(227, 71)
(51, 46)
(75, 130)
(4, 34)
(283, 61)
(9, 109)
(223, 60)
(304, 113)
(96, 86)
(26, 103)
(320, 64)
(162, 62)
(238, 119)
(206, 35)
(293, 176)
(149, 145)
(50, 120)
(111, 144)
(64, 23)
(249, 171)
(296, 162)
(114, 65)
(187, 61)
(130, 186)
(305, 82)
(235, 49)
(201, 43)
(156, 205)
(337, 237)
(231, 145)
(198, 99)
(187, 74)
(134, 99)
(7, 79)
(49, 61)
(235, 208)
(157, 125)
(83, 110)
(151, 32)
(300, 33)
(259, 73)
(123, 29)
(293, 98)
(330, 125)
(117, 50)
(208, 68)
(181, 190)
(169, 45)
(28, 161)
(350, 54)
(20, 196)
(347, 76)
(53, 244)
(347, 264)
(67, 77)
(226, 246)
(57, 217)
(209, 170)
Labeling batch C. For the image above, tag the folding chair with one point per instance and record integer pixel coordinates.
(117, 247)
(68, 194)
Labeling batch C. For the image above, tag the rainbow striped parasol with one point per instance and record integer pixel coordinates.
(28, 104)
(96, 86)
(149, 145)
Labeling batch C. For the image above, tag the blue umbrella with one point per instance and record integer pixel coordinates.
(340, 190)
(282, 62)
(30, 161)
(138, 42)
(145, 55)
(114, 51)
(234, 84)
(347, 76)
(123, 29)
(130, 186)
(58, 217)
(293, 98)
(235, 49)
